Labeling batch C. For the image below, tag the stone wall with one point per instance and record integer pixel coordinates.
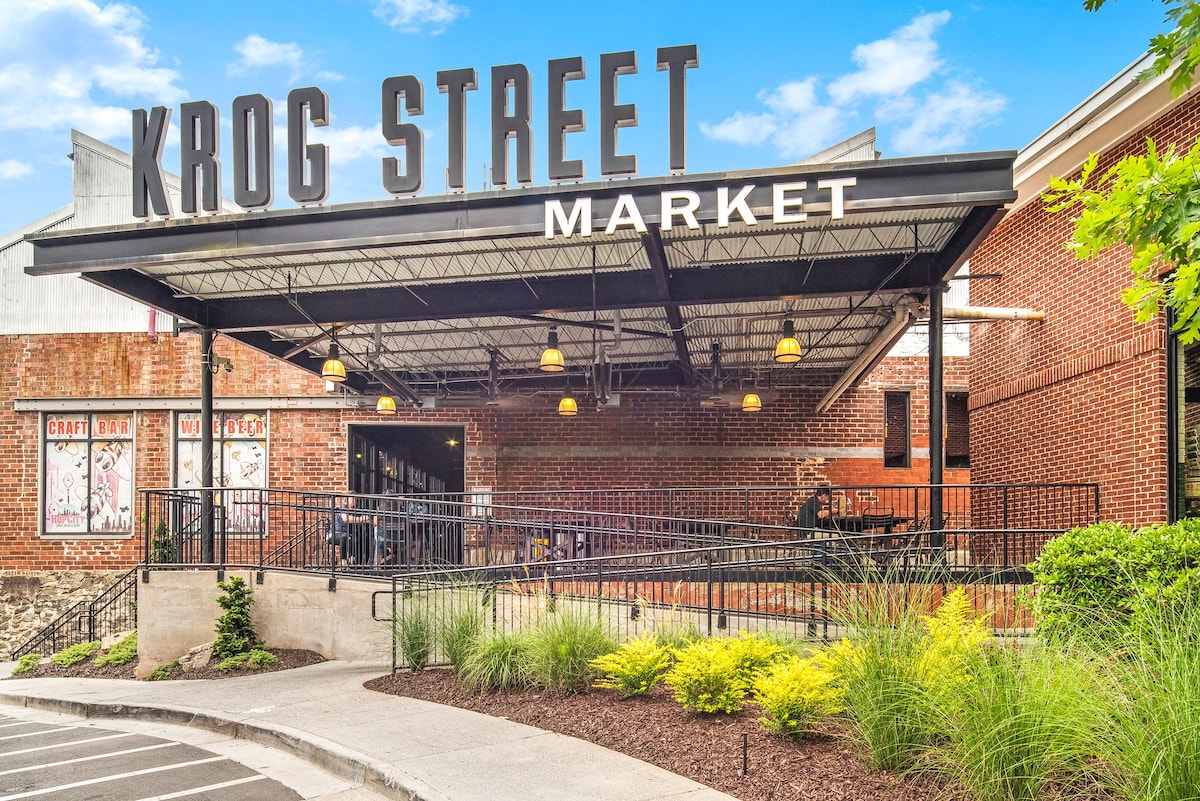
(30, 600)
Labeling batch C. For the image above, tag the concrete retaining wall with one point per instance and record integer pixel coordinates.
(178, 610)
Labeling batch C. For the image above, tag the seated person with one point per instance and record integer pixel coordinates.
(815, 511)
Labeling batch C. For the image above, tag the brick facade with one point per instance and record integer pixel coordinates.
(649, 440)
(1081, 396)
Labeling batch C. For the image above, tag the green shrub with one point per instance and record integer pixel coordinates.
(235, 629)
(707, 677)
(255, 659)
(1102, 578)
(415, 632)
(1019, 728)
(461, 625)
(122, 653)
(634, 668)
(163, 672)
(795, 693)
(27, 663)
(1152, 742)
(900, 667)
(75, 654)
(499, 661)
(561, 647)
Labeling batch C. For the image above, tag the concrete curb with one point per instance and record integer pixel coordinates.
(336, 759)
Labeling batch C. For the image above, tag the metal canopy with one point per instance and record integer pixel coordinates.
(448, 300)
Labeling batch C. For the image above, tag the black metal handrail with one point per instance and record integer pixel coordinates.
(992, 524)
(112, 611)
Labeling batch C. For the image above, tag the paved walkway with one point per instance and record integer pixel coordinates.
(401, 747)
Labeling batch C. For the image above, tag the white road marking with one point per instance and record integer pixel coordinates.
(89, 758)
(67, 744)
(194, 791)
(114, 777)
(33, 734)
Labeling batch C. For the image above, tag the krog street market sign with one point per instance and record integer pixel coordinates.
(402, 97)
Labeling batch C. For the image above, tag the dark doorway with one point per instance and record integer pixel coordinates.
(405, 459)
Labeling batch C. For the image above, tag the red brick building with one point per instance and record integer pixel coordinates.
(73, 403)
(1089, 394)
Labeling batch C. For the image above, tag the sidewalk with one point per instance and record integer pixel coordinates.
(401, 747)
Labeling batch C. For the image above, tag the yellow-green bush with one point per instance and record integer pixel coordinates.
(27, 663)
(634, 668)
(122, 653)
(75, 654)
(795, 693)
(707, 677)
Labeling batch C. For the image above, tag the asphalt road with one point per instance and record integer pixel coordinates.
(49, 756)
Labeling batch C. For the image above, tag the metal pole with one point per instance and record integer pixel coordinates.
(206, 446)
(936, 446)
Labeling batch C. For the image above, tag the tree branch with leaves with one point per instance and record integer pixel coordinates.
(1149, 203)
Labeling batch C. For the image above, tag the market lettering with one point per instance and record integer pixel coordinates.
(682, 206)
(402, 99)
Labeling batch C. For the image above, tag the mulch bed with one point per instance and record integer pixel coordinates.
(704, 748)
(288, 658)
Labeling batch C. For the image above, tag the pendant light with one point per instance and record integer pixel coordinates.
(333, 369)
(567, 407)
(386, 405)
(552, 357)
(751, 402)
(788, 349)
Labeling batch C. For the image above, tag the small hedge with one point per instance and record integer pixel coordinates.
(122, 653)
(1107, 577)
(75, 654)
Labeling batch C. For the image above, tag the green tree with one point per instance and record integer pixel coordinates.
(235, 630)
(1149, 203)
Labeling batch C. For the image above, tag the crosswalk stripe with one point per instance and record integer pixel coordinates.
(66, 744)
(33, 734)
(89, 758)
(197, 790)
(114, 777)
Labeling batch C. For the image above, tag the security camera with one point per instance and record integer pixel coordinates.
(229, 367)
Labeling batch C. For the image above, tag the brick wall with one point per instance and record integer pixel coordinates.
(1082, 395)
(649, 440)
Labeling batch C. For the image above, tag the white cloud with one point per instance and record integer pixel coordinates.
(893, 65)
(350, 143)
(900, 81)
(258, 53)
(414, 16)
(65, 63)
(943, 121)
(12, 170)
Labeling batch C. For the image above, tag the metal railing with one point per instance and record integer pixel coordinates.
(980, 524)
(111, 612)
(805, 589)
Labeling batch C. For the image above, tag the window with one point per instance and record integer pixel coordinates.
(897, 446)
(88, 473)
(239, 463)
(958, 432)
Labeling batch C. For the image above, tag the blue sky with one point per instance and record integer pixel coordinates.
(776, 81)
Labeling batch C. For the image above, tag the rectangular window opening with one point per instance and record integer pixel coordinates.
(897, 442)
(958, 432)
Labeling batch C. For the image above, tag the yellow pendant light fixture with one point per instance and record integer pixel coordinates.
(567, 407)
(788, 349)
(333, 369)
(386, 405)
(552, 358)
(751, 402)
